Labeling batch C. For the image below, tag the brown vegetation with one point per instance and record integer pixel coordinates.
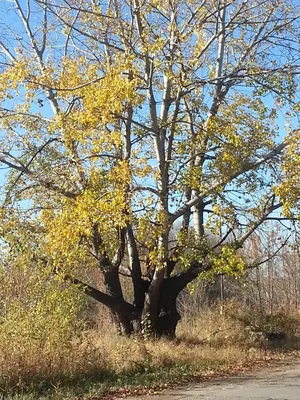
(96, 360)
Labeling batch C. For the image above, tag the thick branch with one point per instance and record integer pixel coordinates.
(135, 266)
(115, 304)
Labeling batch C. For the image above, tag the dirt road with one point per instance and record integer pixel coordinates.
(281, 382)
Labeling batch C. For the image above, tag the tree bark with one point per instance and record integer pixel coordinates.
(113, 289)
(168, 315)
(164, 317)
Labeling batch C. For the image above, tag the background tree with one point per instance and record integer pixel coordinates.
(121, 121)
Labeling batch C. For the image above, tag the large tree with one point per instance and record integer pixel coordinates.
(135, 130)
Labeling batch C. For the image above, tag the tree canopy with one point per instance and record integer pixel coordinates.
(134, 131)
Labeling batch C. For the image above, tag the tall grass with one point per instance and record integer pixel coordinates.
(94, 360)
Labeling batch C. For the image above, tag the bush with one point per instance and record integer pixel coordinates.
(38, 319)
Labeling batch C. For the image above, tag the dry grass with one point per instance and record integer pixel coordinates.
(99, 359)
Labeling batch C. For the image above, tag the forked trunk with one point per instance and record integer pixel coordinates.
(159, 317)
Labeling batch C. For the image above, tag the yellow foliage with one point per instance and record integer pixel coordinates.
(228, 262)
(288, 190)
(104, 199)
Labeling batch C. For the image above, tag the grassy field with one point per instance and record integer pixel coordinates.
(98, 361)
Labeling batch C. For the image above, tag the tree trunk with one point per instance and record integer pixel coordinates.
(167, 320)
(167, 315)
(113, 288)
(123, 324)
(160, 316)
